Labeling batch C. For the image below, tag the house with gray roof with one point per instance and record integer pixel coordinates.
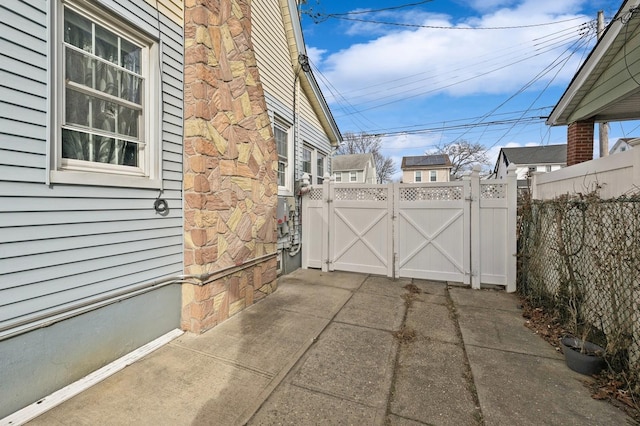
(529, 159)
(354, 168)
(623, 145)
(426, 168)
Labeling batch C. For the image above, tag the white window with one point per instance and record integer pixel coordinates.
(433, 176)
(281, 134)
(338, 176)
(306, 162)
(106, 117)
(353, 176)
(417, 176)
(320, 161)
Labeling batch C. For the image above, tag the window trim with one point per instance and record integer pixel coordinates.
(353, 176)
(337, 177)
(417, 176)
(320, 156)
(149, 174)
(281, 124)
(311, 172)
(433, 175)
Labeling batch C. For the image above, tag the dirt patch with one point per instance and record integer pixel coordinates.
(412, 289)
(412, 294)
(405, 335)
(544, 324)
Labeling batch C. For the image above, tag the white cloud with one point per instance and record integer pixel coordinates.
(409, 62)
(316, 56)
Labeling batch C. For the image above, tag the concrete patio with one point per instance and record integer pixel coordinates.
(322, 350)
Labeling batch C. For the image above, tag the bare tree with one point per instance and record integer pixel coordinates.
(464, 155)
(364, 143)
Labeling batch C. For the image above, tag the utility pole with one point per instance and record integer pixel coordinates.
(603, 128)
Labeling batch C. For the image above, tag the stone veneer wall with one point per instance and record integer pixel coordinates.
(230, 186)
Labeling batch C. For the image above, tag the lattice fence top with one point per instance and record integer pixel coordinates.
(445, 193)
(492, 191)
(315, 194)
(361, 194)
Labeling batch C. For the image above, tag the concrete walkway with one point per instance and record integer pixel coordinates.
(323, 350)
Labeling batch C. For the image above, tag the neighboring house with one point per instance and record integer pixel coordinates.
(304, 128)
(426, 168)
(354, 168)
(622, 145)
(530, 159)
(140, 174)
(604, 88)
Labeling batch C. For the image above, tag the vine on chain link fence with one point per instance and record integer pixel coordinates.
(579, 257)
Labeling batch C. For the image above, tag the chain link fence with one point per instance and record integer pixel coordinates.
(579, 257)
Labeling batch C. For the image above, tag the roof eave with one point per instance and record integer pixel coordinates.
(336, 136)
(562, 112)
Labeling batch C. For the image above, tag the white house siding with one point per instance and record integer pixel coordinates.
(279, 81)
(64, 246)
(272, 50)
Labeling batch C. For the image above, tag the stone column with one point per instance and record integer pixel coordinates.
(579, 142)
(230, 164)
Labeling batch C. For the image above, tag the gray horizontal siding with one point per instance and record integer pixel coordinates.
(62, 245)
(48, 235)
(76, 288)
(308, 133)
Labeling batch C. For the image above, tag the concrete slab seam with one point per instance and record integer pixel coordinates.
(392, 389)
(333, 395)
(515, 352)
(250, 411)
(232, 363)
(290, 368)
(469, 372)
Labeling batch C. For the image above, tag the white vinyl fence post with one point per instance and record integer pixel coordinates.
(475, 228)
(326, 196)
(305, 240)
(512, 243)
(393, 207)
(535, 193)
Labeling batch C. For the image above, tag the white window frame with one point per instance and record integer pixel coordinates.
(287, 188)
(69, 171)
(433, 176)
(417, 176)
(320, 156)
(338, 176)
(353, 176)
(306, 149)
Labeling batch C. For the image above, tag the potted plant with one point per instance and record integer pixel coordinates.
(582, 356)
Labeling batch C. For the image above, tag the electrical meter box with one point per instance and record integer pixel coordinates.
(282, 213)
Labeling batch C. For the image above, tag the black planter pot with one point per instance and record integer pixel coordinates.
(582, 357)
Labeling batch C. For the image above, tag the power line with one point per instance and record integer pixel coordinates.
(442, 27)
(519, 120)
(447, 123)
(361, 12)
(466, 67)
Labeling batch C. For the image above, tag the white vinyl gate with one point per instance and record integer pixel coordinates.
(462, 231)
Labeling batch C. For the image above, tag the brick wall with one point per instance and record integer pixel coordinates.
(230, 186)
(580, 142)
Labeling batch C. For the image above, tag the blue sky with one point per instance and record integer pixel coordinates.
(480, 70)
